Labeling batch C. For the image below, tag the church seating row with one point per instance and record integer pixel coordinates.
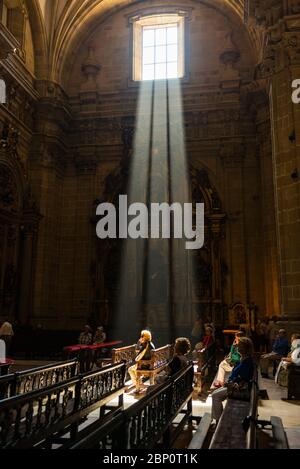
(159, 359)
(238, 426)
(40, 417)
(294, 382)
(145, 423)
(37, 378)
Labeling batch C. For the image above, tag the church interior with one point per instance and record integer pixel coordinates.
(167, 102)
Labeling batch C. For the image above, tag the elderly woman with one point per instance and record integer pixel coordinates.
(293, 357)
(229, 362)
(179, 360)
(143, 349)
(86, 337)
(100, 336)
(241, 374)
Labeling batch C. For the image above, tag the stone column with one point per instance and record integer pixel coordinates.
(281, 66)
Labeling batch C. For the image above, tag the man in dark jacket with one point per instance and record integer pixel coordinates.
(280, 349)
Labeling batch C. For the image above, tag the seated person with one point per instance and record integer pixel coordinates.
(144, 347)
(280, 350)
(293, 357)
(179, 360)
(86, 337)
(201, 347)
(241, 374)
(229, 362)
(100, 336)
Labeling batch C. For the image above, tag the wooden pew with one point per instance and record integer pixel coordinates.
(200, 437)
(126, 354)
(159, 360)
(37, 378)
(145, 423)
(40, 418)
(233, 430)
(293, 382)
(279, 436)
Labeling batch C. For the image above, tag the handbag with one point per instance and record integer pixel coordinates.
(240, 391)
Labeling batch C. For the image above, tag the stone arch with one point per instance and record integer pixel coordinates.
(39, 38)
(18, 227)
(77, 24)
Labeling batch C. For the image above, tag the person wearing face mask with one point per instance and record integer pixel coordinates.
(293, 357)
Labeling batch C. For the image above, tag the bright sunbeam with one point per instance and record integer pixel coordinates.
(157, 274)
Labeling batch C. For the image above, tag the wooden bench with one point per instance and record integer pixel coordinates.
(159, 360)
(236, 427)
(147, 422)
(37, 378)
(293, 382)
(279, 436)
(43, 417)
(126, 354)
(201, 435)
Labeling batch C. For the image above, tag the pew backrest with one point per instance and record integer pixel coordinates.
(126, 354)
(144, 423)
(41, 377)
(159, 358)
(26, 420)
(37, 378)
(237, 427)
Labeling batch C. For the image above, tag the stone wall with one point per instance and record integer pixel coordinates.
(72, 139)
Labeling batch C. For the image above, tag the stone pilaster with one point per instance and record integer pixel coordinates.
(281, 65)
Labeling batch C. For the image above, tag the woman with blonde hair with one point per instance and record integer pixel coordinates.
(242, 374)
(143, 349)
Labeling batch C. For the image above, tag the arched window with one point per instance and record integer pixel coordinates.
(158, 46)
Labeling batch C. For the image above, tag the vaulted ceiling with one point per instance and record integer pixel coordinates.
(59, 26)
